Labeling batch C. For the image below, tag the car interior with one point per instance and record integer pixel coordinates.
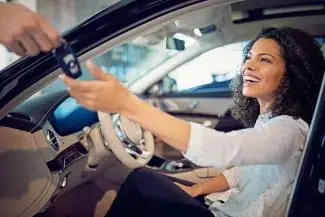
(60, 159)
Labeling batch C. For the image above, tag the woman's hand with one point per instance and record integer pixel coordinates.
(106, 94)
(193, 190)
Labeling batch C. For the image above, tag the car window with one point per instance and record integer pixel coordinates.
(137, 57)
(134, 59)
(127, 62)
(211, 71)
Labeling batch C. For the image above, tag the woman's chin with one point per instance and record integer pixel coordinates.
(249, 93)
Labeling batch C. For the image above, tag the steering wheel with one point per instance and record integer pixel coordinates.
(132, 145)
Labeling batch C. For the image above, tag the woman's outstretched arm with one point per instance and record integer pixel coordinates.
(107, 95)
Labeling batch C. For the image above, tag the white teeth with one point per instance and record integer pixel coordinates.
(249, 78)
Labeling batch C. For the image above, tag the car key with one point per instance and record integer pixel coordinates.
(67, 59)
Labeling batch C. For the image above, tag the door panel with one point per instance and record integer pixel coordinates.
(188, 105)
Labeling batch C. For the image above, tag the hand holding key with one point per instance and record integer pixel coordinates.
(24, 31)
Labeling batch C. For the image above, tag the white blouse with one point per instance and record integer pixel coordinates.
(264, 160)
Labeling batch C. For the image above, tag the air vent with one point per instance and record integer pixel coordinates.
(51, 138)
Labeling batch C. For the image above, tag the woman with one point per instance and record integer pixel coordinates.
(274, 96)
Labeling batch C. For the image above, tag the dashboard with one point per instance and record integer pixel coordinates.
(64, 114)
(47, 133)
(69, 117)
(61, 120)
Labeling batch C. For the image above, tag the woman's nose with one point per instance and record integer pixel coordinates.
(249, 65)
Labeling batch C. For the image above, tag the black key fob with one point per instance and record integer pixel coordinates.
(67, 59)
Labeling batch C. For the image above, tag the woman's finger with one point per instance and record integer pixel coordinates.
(82, 100)
(72, 83)
(77, 94)
(87, 104)
(83, 95)
(83, 86)
(98, 73)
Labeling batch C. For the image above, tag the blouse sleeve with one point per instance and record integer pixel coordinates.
(268, 143)
(232, 176)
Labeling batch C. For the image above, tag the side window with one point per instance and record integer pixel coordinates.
(211, 71)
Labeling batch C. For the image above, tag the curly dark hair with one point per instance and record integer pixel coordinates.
(298, 90)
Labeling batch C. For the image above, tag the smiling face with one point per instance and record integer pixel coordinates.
(263, 70)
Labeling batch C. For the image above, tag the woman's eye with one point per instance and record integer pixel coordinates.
(265, 60)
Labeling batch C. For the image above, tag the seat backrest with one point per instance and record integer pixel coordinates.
(300, 202)
(307, 199)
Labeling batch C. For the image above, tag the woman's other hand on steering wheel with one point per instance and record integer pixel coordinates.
(106, 94)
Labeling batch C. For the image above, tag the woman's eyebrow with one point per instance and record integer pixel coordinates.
(267, 54)
(261, 54)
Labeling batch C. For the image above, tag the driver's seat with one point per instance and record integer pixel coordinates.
(278, 209)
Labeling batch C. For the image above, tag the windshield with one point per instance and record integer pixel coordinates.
(187, 76)
(137, 57)
(134, 59)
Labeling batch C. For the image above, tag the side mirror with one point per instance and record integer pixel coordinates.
(175, 44)
(164, 86)
(153, 90)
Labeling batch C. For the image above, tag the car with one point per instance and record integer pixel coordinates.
(58, 158)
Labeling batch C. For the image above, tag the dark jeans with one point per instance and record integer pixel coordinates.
(146, 193)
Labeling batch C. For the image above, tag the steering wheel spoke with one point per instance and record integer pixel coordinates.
(144, 155)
